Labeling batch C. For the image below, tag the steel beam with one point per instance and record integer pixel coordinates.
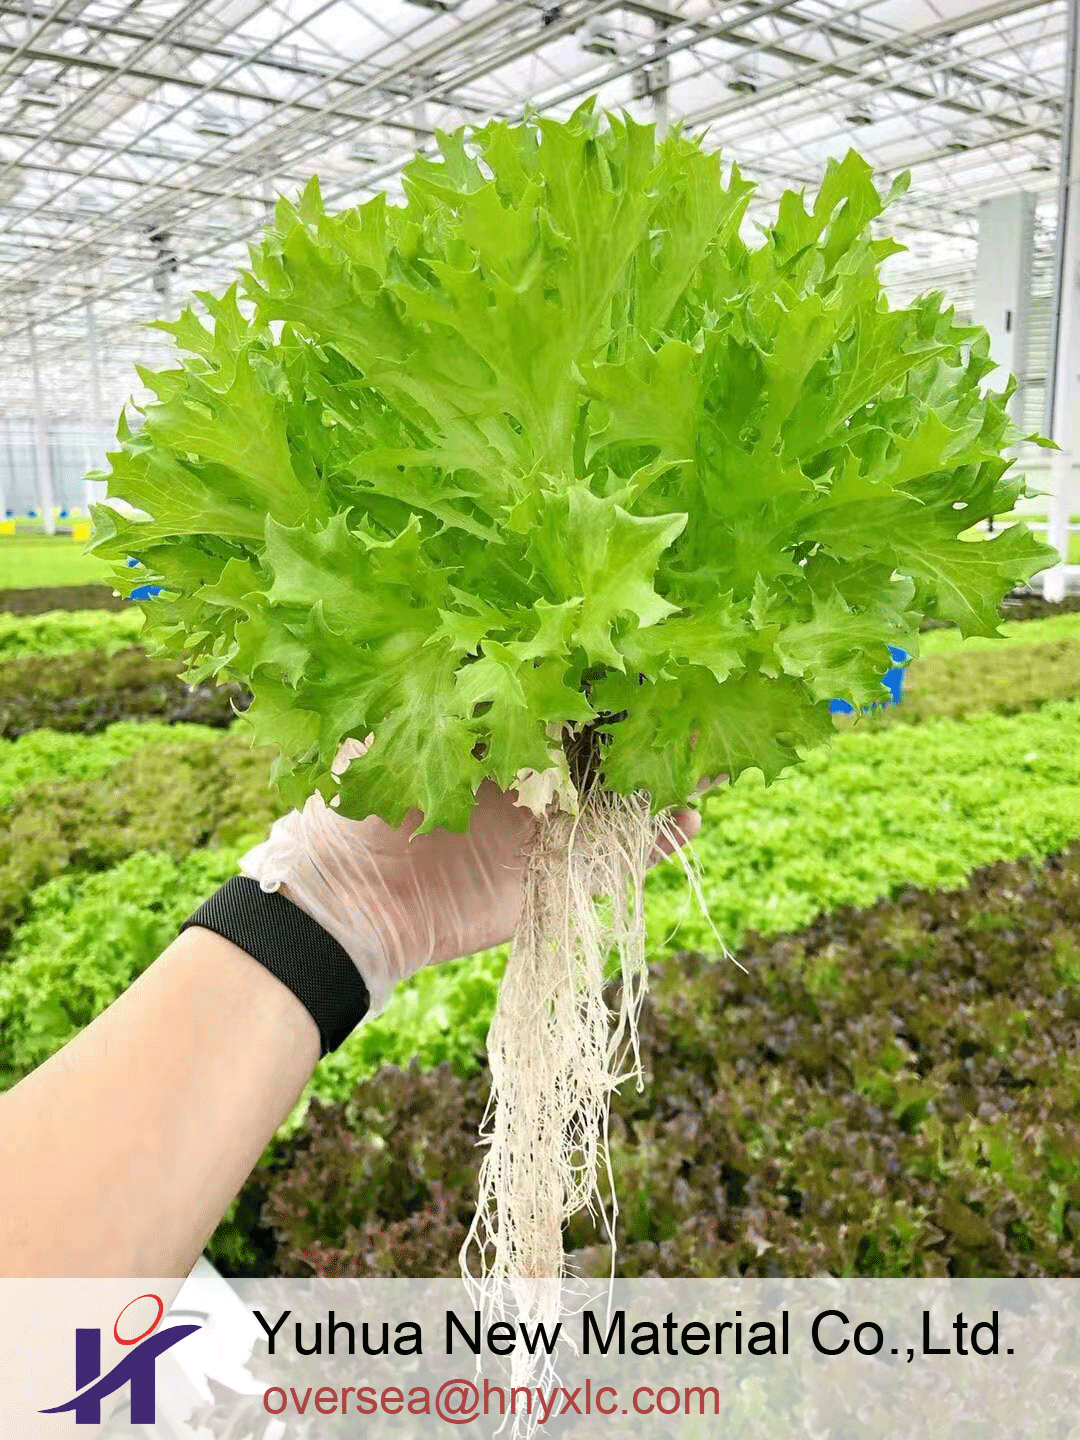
(1063, 389)
(97, 403)
(46, 492)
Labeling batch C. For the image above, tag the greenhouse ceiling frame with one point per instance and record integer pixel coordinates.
(142, 144)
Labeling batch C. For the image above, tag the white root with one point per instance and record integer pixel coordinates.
(557, 1053)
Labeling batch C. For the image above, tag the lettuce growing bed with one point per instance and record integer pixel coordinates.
(882, 814)
(892, 1091)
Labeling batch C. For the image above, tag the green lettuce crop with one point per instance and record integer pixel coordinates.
(551, 450)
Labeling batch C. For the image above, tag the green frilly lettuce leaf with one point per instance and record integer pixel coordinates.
(551, 445)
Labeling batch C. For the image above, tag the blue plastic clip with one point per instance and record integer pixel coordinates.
(893, 680)
(141, 592)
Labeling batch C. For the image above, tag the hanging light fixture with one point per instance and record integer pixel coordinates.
(742, 80)
(599, 39)
(365, 152)
(216, 125)
(861, 114)
(38, 92)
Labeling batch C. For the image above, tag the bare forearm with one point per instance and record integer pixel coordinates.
(120, 1154)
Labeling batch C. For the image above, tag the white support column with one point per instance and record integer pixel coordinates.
(269, 200)
(651, 81)
(1063, 400)
(1002, 293)
(41, 443)
(661, 84)
(6, 467)
(421, 119)
(90, 448)
(662, 109)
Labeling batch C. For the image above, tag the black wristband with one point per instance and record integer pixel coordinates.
(294, 948)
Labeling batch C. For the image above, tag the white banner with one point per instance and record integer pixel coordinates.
(303, 1360)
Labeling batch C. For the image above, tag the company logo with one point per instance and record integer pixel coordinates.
(135, 1369)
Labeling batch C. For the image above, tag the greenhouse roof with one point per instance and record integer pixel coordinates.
(143, 144)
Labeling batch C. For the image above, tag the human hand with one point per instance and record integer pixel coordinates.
(397, 904)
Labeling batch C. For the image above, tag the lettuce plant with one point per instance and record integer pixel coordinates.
(554, 442)
(557, 474)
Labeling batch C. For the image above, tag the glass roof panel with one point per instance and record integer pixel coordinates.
(142, 144)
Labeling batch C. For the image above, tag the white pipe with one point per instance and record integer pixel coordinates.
(1063, 400)
(1057, 529)
(41, 444)
(91, 446)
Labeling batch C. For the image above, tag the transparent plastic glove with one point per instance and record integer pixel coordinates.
(397, 904)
